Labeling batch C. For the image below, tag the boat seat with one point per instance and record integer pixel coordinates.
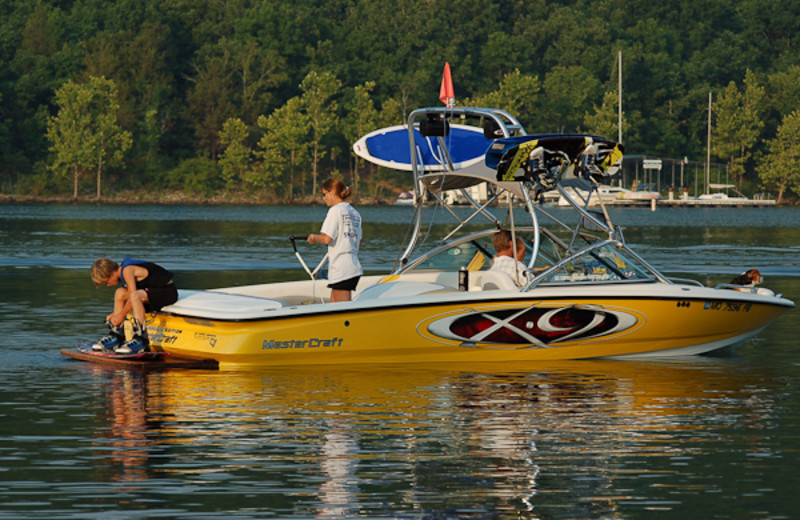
(492, 280)
(755, 290)
(223, 306)
(401, 289)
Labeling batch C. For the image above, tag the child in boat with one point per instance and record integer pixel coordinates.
(341, 232)
(146, 287)
(505, 262)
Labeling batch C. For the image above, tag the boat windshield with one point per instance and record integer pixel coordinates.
(474, 255)
(603, 263)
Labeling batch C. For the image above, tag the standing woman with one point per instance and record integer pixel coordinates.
(341, 232)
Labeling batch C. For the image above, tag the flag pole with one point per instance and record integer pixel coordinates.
(446, 93)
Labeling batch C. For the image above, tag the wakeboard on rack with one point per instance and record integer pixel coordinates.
(545, 157)
(389, 147)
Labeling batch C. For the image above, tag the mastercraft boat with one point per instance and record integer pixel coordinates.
(589, 295)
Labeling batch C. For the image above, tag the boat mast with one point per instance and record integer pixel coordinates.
(708, 146)
(619, 94)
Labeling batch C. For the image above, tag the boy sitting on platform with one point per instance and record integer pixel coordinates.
(146, 287)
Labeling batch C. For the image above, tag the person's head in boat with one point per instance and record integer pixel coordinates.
(105, 272)
(502, 244)
(334, 191)
(749, 278)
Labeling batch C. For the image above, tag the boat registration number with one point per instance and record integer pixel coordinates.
(728, 306)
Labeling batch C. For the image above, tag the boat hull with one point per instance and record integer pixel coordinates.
(467, 328)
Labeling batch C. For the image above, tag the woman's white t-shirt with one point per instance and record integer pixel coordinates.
(343, 225)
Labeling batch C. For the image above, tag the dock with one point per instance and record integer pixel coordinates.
(693, 203)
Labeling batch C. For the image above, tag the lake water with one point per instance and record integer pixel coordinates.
(699, 437)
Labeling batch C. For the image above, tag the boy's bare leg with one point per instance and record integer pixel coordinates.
(140, 341)
(138, 299)
(120, 300)
(116, 336)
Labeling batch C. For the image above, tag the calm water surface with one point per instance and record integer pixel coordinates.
(700, 437)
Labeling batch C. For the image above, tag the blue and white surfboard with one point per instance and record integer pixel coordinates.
(389, 147)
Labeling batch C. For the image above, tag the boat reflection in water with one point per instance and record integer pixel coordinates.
(339, 442)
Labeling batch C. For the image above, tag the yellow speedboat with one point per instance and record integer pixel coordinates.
(587, 294)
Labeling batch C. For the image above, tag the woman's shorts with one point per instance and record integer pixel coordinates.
(345, 285)
(161, 297)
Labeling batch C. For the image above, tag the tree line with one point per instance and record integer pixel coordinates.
(261, 98)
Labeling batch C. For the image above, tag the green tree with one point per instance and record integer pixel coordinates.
(140, 63)
(319, 101)
(267, 172)
(781, 98)
(769, 30)
(197, 176)
(739, 124)
(780, 167)
(362, 119)
(284, 144)
(391, 114)
(234, 161)
(35, 59)
(187, 66)
(257, 71)
(501, 51)
(85, 134)
(151, 131)
(566, 40)
(210, 101)
(784, 95)
(567, 92)
(517, 94)
(604, 120)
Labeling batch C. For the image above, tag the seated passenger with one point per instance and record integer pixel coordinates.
(505, 262)
(749, 279)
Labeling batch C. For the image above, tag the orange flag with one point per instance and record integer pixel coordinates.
(446, 93)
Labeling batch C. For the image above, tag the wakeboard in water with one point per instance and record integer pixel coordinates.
(147, 359)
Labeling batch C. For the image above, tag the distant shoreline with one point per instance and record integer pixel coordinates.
(177, 200)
